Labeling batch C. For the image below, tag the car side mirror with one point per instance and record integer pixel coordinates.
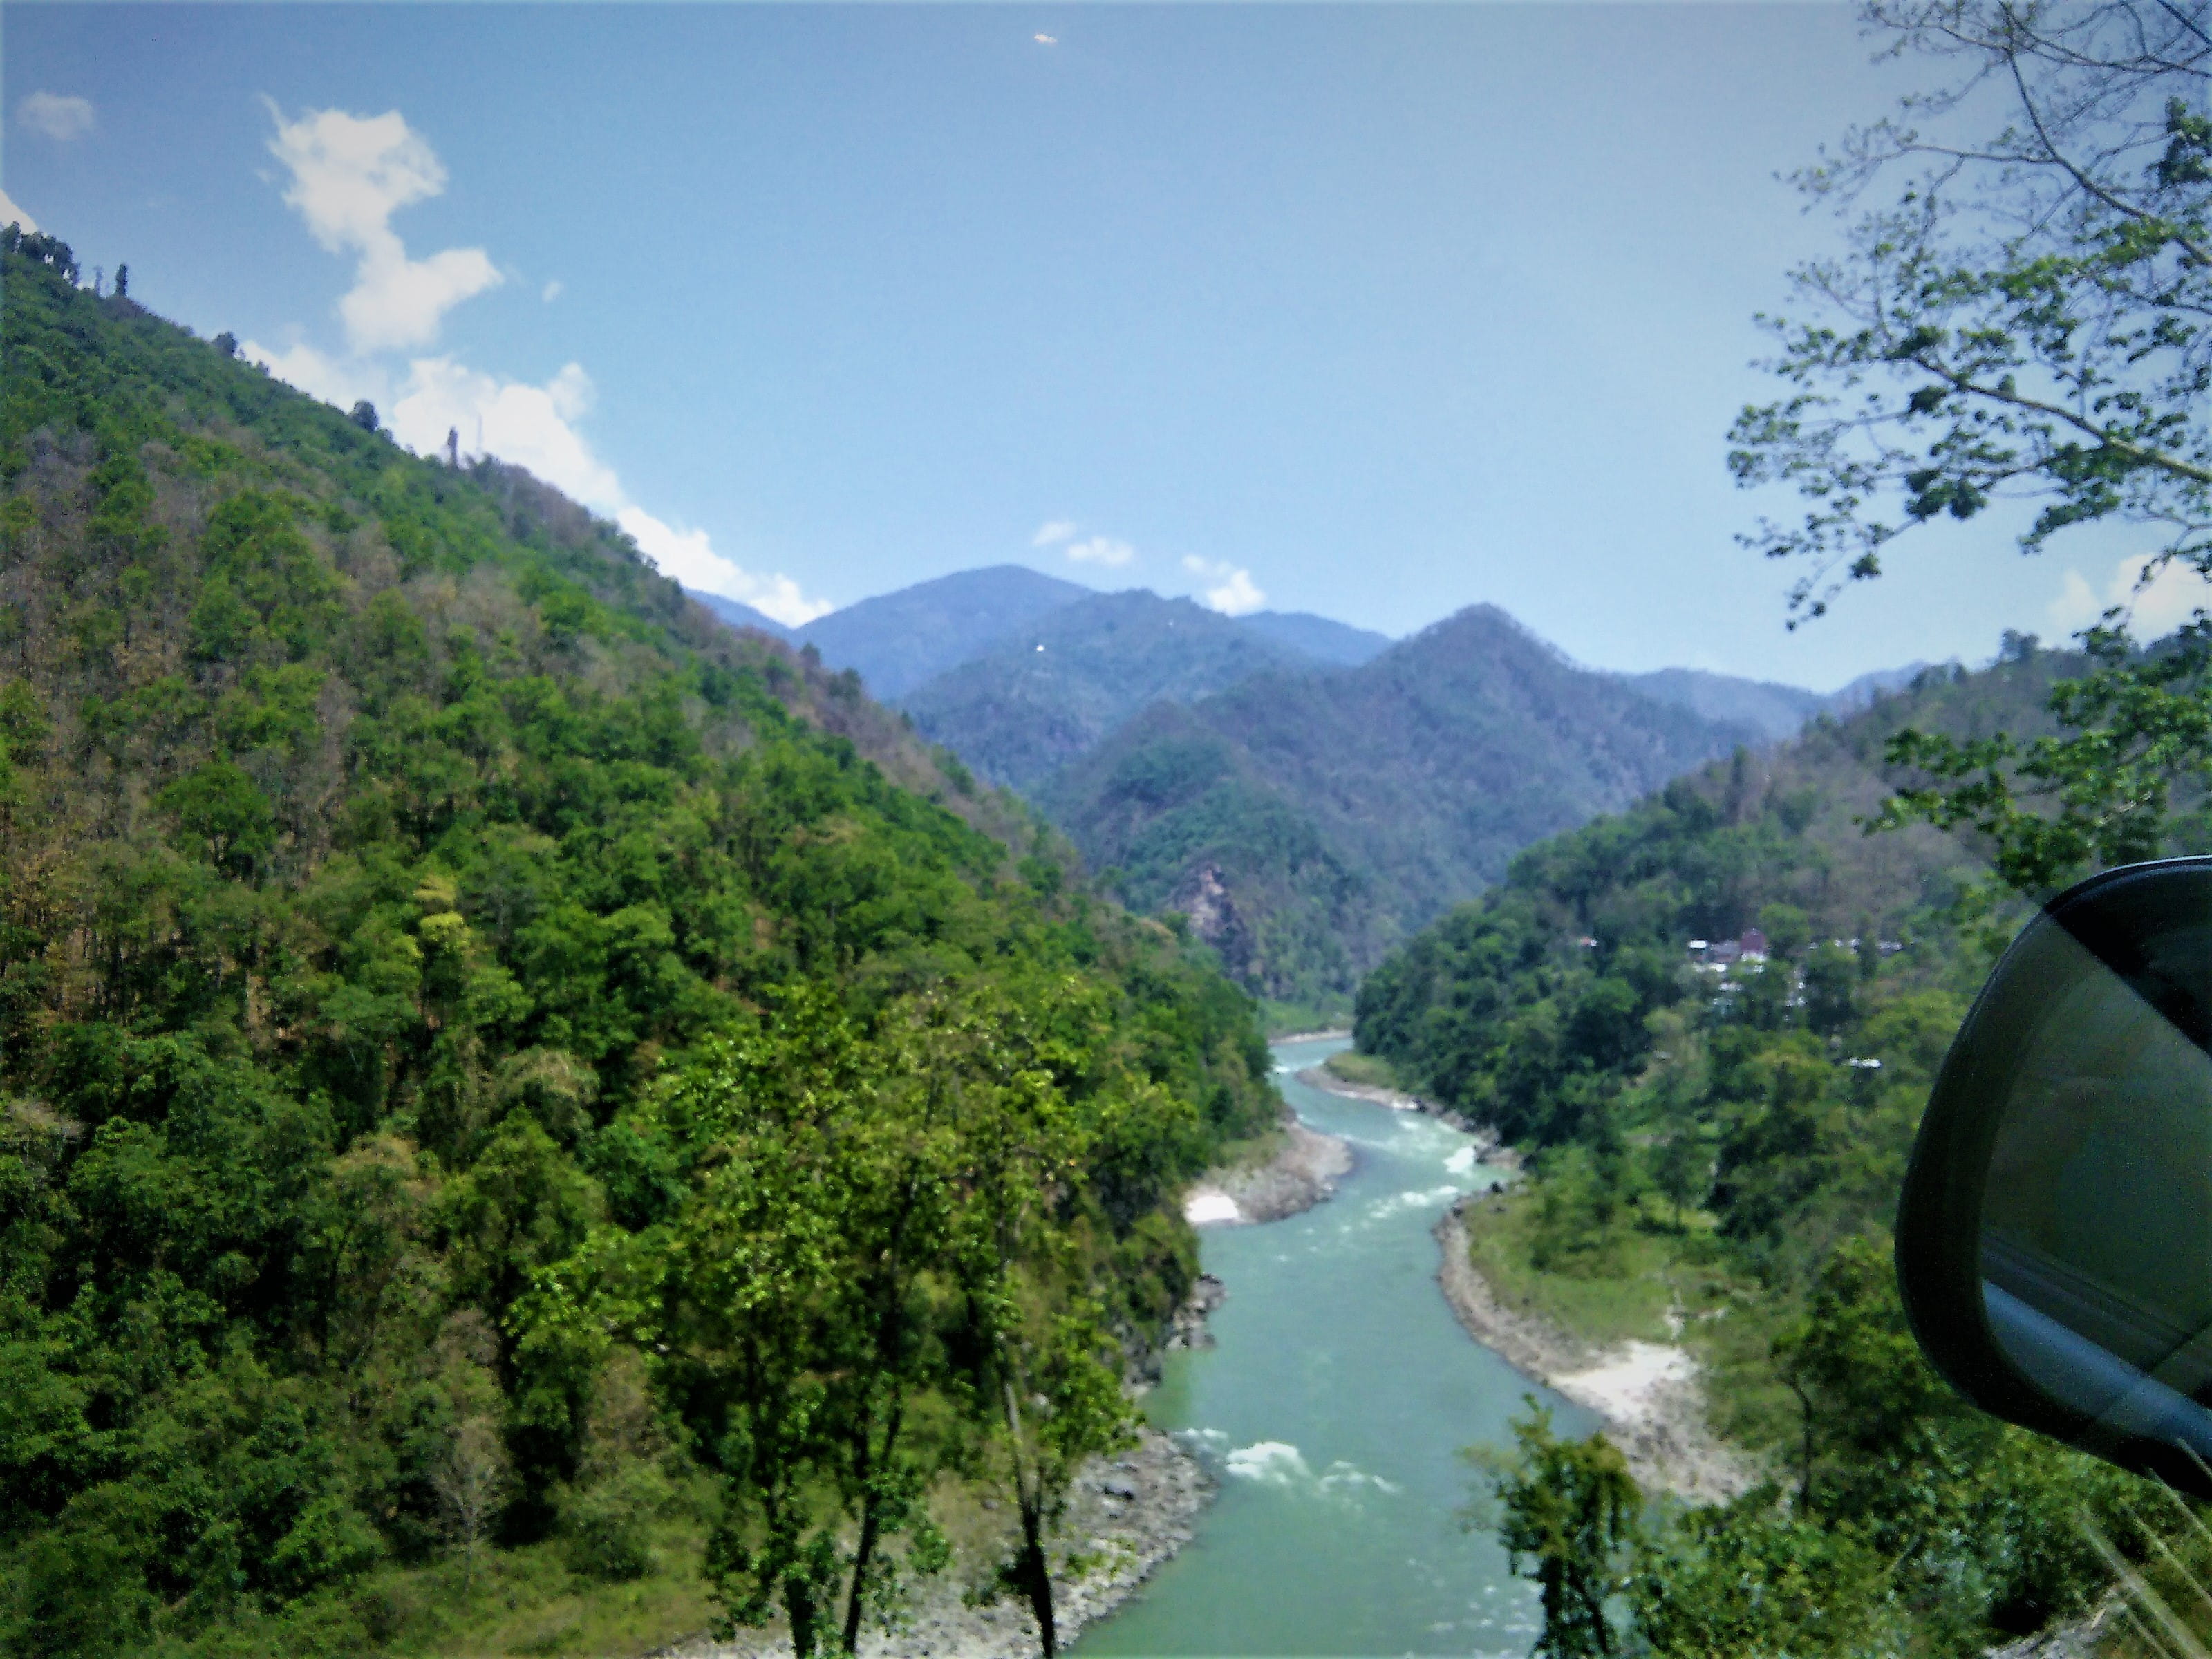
(2054, 1241)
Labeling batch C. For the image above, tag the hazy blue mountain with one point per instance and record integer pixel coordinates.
(1319, 637)
(1862, 691)
(896, 640)
(1306, 821)
(738, 615)
(1046, 693)
(1773, 710)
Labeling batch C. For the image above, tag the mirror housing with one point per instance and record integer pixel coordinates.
(2054, 1238)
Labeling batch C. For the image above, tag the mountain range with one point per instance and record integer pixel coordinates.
(1303, 793)
(1776, 712)
(1306, 821)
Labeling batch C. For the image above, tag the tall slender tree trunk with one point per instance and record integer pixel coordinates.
(800, 1607)
(1035, 1574)
(1805, 1450)
(1032, 1570)
(864, 1552)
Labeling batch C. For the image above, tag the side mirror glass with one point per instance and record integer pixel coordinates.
(2054, 1242)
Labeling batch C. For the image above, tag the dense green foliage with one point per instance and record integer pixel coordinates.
(1538, 1003)
(1749, 1126)
(1308, 824)
(2122, 779)
(489, 1055)
(1566, 1512)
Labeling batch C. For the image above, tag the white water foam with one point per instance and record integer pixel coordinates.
(1202, 1209)
(1270, 1462)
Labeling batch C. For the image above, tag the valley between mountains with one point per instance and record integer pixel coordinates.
(1303, 795)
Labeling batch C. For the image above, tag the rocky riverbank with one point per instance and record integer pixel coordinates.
(1125, 1516)
(1647, 1392)
(1303, 1171)
(1488, 1146)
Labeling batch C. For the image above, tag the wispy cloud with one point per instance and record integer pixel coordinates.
(55, 115)
(532, 426)
(551, 292)
(1090, 550)
(1233, 593)
(2169, 600)
(342, 381)
(1100, 549)
(12, 215)
(350, 173)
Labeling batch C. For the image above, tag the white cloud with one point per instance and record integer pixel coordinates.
(535, 427)
(2172, 596)
(60, 119)
(1233, 595)
(552, 291)
(532, 426)
(343, 384)
(12, 215)
(1091, 550)
(399, 302)
(1100, 549)
(350, 173)
(686, 556)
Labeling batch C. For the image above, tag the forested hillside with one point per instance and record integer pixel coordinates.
(740, 615)
(1307, 823)
(507, 1087)
(895, 641)
(1773, 711)
(1052, 689)
(1719, 1131)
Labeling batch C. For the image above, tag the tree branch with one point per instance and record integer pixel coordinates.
(2142, 453)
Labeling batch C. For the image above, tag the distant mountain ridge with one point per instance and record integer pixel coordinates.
(1053, 690)
(895, 641)
(899, 640)
(1319, 637)
(1307, 820)
(1773, 710)
(1304, 792)
(738, 614)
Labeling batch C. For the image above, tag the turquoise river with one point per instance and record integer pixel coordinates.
(1333, 1406)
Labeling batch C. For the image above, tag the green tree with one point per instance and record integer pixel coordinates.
(1568, 1513)
(1723, 1581)
(1788, 929)
(2025, 320)
(421, 1036)
(1869, 1404)
(1044, 1365)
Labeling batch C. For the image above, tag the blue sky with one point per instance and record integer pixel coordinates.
(1371, 311)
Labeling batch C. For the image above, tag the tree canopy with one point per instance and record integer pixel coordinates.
(2025, 320)
(501, 1074)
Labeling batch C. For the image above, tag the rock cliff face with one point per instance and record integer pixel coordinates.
(1204, 897)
